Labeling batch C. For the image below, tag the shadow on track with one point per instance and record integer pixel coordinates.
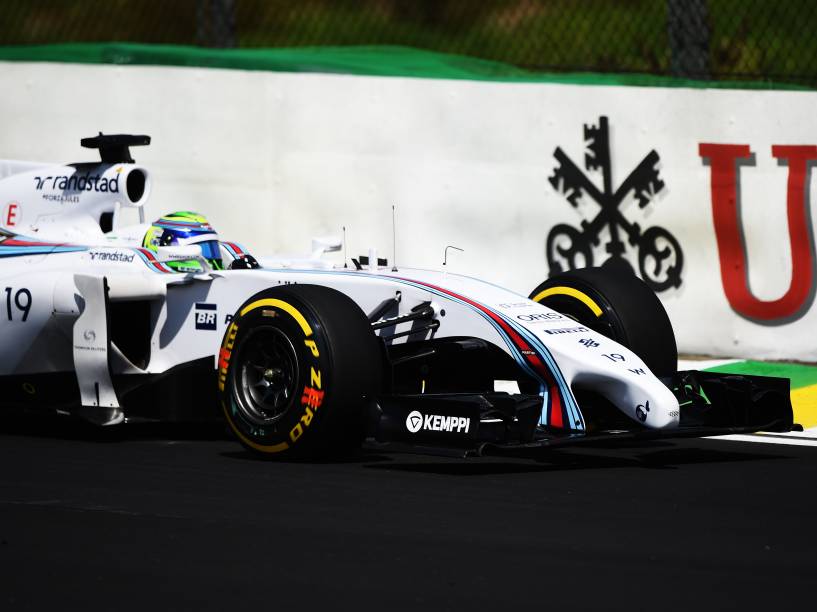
(353, 457)
(659, 455)
(70, 428)
(562, 460)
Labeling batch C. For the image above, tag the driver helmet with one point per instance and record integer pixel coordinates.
(184, 228)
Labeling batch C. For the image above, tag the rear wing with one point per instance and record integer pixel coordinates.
(115, 148)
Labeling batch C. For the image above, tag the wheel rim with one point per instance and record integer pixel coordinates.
(267, 376)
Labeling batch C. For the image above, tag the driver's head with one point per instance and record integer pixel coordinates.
(181, 229)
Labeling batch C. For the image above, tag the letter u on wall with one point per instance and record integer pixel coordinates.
(723, 161)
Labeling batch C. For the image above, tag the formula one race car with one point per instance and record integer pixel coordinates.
(164, 320)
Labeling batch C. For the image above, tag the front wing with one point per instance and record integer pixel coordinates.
(502, 424)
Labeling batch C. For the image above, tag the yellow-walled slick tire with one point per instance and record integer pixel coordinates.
(616, 303)
(295, 370)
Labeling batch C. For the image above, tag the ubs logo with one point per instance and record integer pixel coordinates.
(660, 259)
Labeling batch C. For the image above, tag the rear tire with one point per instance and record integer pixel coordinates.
(296, 368)
(615, 303)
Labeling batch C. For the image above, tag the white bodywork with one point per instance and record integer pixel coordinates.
(58, 262)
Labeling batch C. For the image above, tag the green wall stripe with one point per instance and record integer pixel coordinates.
(368, 61)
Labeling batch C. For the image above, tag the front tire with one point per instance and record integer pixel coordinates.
(615, 303)
(296, 367)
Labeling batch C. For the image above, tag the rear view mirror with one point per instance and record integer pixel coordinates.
(325, 244)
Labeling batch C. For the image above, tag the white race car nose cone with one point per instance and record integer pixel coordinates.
(414, 421)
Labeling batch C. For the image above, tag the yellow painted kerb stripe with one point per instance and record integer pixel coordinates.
(283, 306)
(582, 297)
(804, 403)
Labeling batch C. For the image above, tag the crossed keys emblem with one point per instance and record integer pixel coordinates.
(660, 259)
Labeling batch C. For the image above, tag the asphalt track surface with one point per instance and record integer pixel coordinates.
(166, 518)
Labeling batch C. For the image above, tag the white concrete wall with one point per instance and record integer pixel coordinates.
(275, 158)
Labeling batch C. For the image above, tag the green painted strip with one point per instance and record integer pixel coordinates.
(800, 375)
(359, 60)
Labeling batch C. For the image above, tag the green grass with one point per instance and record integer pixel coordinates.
(800, 375)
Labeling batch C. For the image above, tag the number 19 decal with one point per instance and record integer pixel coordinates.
(20, 303)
